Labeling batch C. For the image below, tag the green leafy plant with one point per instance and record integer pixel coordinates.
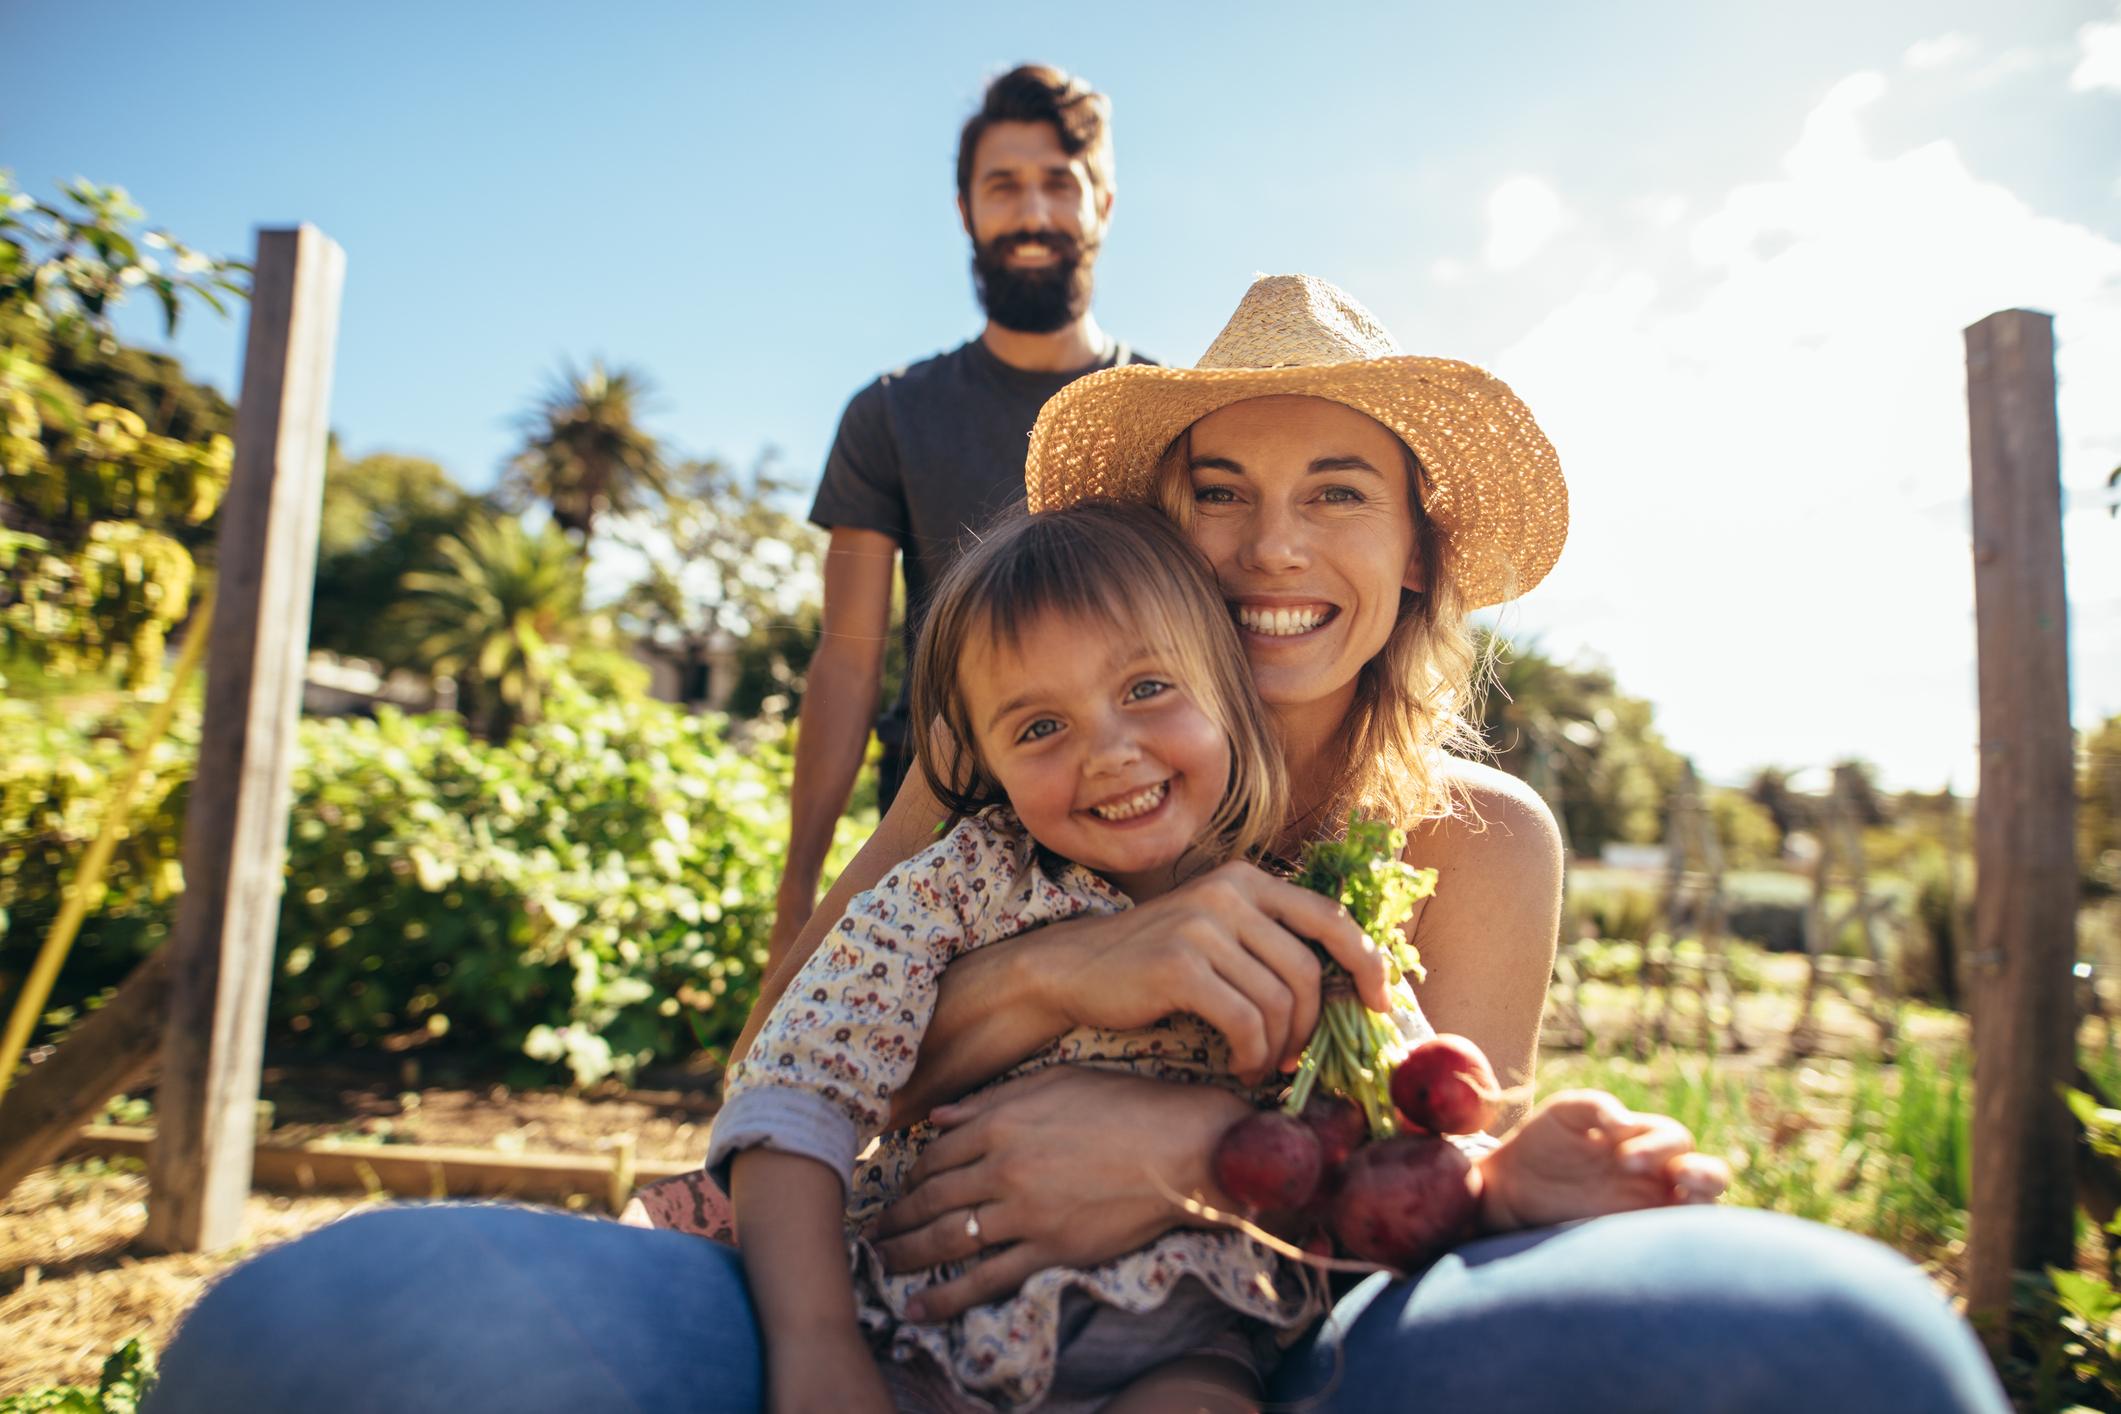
(591, 893)
(103, 508)
(1352, 1051)
(128, 1375)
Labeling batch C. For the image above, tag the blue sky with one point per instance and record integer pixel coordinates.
(1724, 252)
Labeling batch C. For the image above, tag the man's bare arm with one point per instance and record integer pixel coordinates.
(839, 704)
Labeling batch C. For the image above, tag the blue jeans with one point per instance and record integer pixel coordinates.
(465, 1308)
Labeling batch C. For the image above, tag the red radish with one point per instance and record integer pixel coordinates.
(1403, 1201)
(1340, 1125)
(1445, 1086)
(1268, 1162)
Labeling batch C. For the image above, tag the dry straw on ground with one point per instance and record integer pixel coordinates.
(72, 1288)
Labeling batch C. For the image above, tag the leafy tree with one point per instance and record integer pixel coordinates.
(1789, 809)
(384, 517)
(1571, 731)
(1857, 781)
(499, 615)
(730, 569)
(1746, 830)
(100, 502)
(150, 384)
(584, 452)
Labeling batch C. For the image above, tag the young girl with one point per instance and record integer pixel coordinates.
(1099, 740)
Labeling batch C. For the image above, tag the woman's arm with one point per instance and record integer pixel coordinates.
(1487, 936)
(795, 1263)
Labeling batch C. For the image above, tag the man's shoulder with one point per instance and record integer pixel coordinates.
(921, 374)
(953, 364)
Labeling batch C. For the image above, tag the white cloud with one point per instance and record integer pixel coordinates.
(1524, 215)
(2098, 56)
(1769, 466)
(2009, 64)
(1665, 211)
(1938, 51)
(1448, 272)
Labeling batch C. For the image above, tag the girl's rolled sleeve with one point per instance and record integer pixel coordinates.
(784, 1119)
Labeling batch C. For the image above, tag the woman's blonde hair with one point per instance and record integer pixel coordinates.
(1415, 701)
(1127, 569)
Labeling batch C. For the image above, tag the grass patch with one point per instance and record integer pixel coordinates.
(1879, 1149)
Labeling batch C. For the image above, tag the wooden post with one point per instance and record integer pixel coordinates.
(2025, 900)
(235, 827)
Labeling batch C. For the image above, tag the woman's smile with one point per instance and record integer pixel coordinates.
(1304, 508)
(1277, 621)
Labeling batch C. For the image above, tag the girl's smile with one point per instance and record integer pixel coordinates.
(1106, 758)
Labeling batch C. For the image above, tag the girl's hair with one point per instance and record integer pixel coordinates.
(1126, 569)
(1415, 700)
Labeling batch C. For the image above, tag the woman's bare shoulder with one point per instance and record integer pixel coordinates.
(1500, 831)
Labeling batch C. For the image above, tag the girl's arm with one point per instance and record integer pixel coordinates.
(795, 1262)
(906, 829)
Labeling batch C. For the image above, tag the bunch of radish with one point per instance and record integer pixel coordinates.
(1358, 1147)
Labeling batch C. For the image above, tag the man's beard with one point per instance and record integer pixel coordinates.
(1033, 301)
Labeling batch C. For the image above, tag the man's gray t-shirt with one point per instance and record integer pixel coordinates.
(934, 451)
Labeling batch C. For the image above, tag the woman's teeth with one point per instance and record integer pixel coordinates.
(1279, 622)
(1139, 803)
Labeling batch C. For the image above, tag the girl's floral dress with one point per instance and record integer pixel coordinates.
(842, 1040)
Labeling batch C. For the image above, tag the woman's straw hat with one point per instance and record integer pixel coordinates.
(1494, 484)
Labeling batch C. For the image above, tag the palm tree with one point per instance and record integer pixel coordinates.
(584, 453)
(497, 617)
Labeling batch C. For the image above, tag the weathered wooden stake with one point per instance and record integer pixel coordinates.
(2025, 901)
(235, 828)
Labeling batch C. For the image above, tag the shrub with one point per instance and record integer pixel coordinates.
(1601, 907)
(591, 893)
(55, 772)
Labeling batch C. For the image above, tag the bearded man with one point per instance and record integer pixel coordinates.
(930, 452)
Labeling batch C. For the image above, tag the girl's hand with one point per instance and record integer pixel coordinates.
(1068, 1167)
(831, 1373)
(1583, 1154)
(1231, 947)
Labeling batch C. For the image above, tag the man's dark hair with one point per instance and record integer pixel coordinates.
(1040, 93)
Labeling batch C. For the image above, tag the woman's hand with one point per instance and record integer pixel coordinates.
(1231, 947)
(1068, 1167)
(1583, 1154)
